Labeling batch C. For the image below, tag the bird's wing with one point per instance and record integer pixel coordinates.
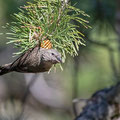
(21, 60)
(27, 59)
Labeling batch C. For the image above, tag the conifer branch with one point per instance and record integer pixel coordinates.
(48, 20)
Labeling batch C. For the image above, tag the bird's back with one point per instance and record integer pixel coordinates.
(28, 62)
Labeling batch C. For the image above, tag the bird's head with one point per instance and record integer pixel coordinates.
(51, 55)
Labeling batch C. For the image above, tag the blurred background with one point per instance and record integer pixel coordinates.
(50, 95)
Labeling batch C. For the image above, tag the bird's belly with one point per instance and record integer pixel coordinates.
(43, 67)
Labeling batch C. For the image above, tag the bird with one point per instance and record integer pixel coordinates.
(34, 60)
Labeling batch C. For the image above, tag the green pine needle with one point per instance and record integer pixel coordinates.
(48, 20)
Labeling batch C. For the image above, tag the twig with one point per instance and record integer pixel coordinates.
(111, 55)
(113, 66)
(75, 101)
(32, 81)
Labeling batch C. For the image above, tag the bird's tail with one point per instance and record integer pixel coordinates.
(5, 69)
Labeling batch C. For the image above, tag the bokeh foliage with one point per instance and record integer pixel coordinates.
(94, 67)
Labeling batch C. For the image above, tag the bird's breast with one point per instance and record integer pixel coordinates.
(45, 66)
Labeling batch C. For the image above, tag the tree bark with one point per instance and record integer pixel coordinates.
(103, 105)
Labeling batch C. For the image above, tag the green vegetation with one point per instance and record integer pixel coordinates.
(48, 20)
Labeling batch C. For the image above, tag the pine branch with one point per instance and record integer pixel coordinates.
(48, 20)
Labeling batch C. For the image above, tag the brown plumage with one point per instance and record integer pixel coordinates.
(33, 61)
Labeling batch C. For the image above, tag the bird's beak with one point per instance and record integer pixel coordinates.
(59, 59)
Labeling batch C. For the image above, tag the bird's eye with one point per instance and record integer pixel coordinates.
(53, 54)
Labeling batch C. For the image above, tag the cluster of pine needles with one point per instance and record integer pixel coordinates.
(51, 20)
